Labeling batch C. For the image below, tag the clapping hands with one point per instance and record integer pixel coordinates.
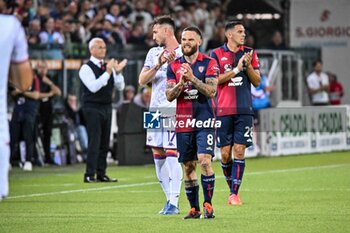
(117, 66)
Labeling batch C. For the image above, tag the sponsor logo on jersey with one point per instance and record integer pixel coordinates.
(191, 94)
(236, 81)
(227, 68)
(224, 59)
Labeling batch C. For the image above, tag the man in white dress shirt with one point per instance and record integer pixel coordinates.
(318, 84)
(98, 81)
(14, 54)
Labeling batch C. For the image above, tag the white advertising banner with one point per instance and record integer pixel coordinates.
(304, 130)
(324, 24)
(320, 23)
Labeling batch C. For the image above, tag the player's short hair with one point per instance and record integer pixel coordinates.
(164, 19)
(194, 29)
(232, 24)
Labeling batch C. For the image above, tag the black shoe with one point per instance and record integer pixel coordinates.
(89, 179)
(106, 179)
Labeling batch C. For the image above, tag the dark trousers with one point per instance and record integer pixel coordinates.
(45, 119)
(98, 126)
(22, 127)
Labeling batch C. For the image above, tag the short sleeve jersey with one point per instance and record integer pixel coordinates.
(192, 104)
(14, 48)
(158, 99)
(234, 96)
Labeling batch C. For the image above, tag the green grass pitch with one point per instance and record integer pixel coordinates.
(308, 193)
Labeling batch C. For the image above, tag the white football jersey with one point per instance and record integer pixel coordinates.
(159, 100)
(14, 48)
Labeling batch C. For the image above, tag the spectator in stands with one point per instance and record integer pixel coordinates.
(22, 125)
(128, 94)
(139, 12)
(153, 8)
(137, 36)
(59, 10)
(114, 15)
(261, 94)
(109, 35)
(33, 32)
(143, 98)
(318, 84)
(75, 116)
(335, 89)
(42, 13)
(52, 39)
(71, 32)
(201, 17)
(72, 10)
(276, 41)
(47, 91)
(218, 37)
(98, 81)
(125, 7)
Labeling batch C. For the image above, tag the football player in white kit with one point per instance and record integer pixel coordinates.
(14, 52)
(163, 141)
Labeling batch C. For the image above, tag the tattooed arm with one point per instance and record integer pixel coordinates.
(208, 88)
(173, 90)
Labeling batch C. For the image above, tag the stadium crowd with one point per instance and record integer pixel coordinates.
(50, 24)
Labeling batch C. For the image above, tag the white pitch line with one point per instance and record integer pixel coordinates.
(82, 190)
(152, 183)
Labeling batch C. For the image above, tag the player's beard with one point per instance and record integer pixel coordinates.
(192, 51)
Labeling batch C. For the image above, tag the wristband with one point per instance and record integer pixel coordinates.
(236, 70)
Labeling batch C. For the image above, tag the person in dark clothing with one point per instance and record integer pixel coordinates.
(23, 122)
(76, 118)
(98, 80)
(47, 90)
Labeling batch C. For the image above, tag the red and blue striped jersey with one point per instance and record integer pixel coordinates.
(192, 105)
(234, 96)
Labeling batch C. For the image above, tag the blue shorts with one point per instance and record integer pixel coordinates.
(189, 144)
(235, 129)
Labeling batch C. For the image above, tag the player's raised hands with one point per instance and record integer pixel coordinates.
(248, 57)
(186, 72)
(170, 56)
(240, 63)
(165, 56)
(161, 58)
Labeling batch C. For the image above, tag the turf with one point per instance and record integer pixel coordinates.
(308, 193)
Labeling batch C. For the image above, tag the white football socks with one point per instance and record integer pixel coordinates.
(175, 173)
(162, 172)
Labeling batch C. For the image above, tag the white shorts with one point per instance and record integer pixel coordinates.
(161, 138)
